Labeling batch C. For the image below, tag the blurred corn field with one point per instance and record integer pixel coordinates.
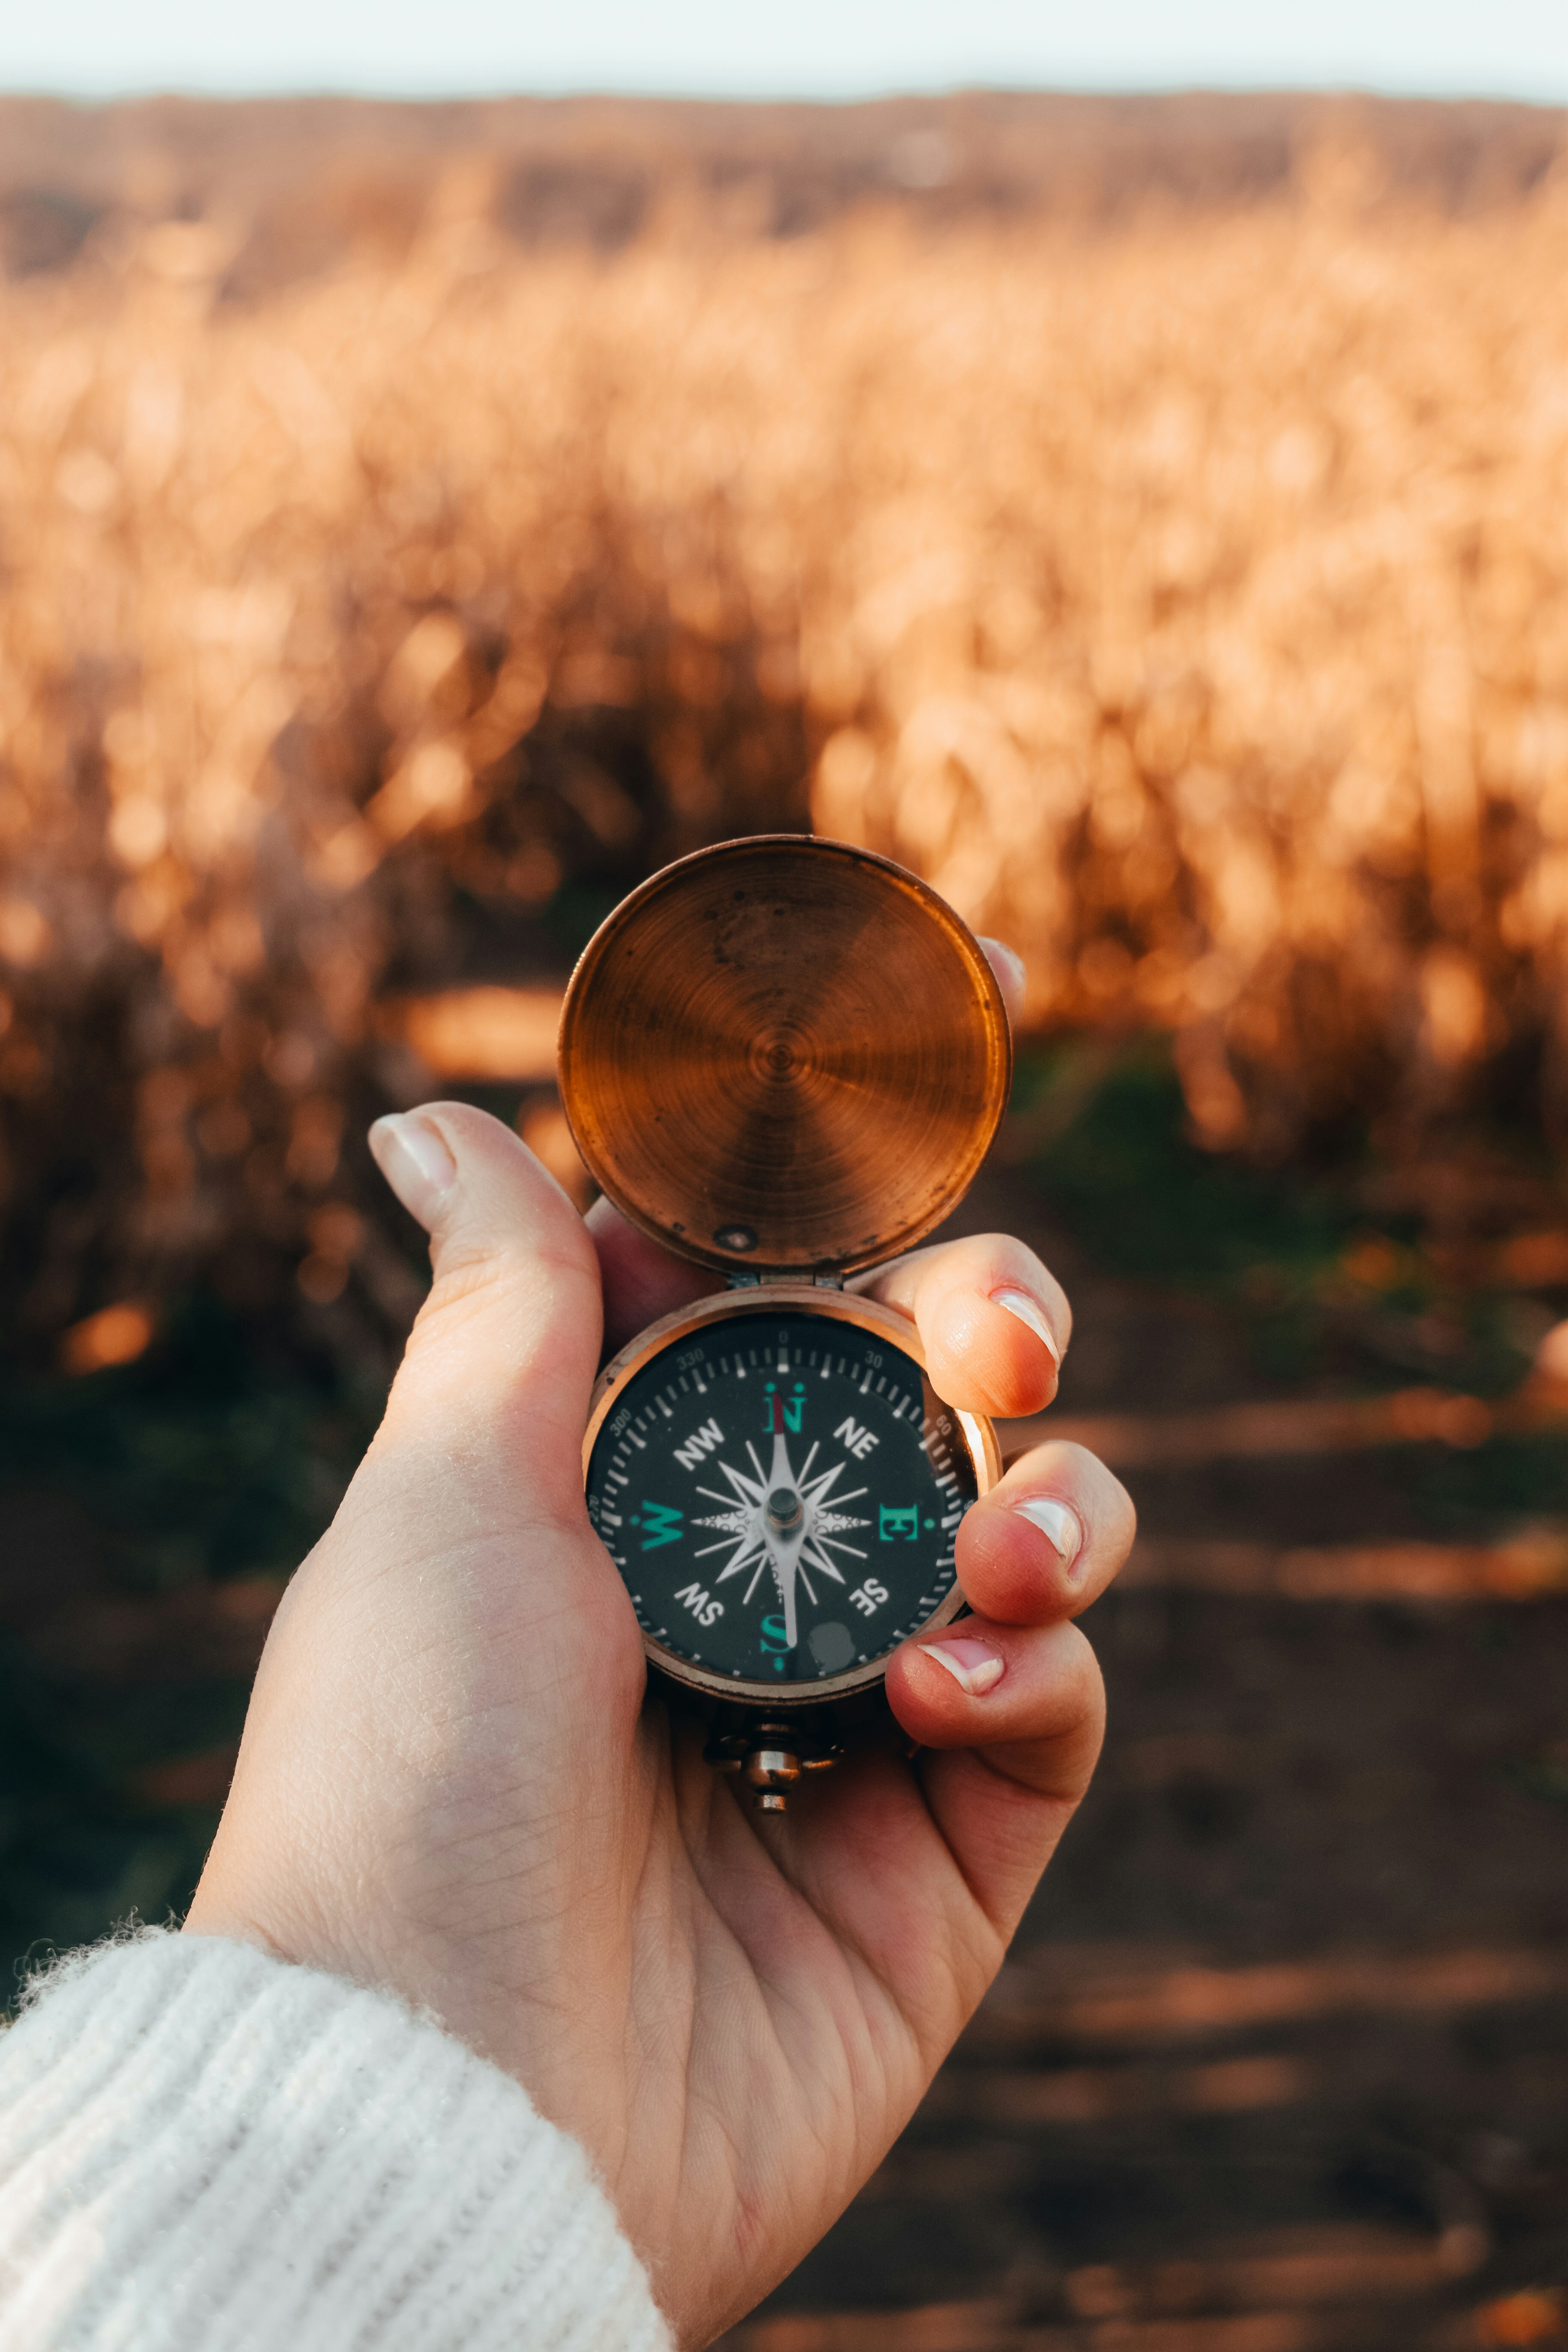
(1174, 574)
(1147, 519)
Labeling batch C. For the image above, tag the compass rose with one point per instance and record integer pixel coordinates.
(784, 1519)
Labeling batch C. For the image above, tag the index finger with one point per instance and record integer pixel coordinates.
(993, 1321)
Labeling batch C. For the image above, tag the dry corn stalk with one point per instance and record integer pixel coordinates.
(1189, 601)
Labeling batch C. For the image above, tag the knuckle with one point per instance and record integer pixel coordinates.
(1068, 1691)
(1104, 1498)
(469, 1281)
(1113, 1512)
(1081, 1683)
(1065, 1457)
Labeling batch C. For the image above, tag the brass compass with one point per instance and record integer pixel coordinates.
(785, 1059)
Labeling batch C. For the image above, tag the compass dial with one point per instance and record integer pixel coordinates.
(781, 1492)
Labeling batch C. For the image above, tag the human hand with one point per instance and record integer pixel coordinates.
(450, 1783)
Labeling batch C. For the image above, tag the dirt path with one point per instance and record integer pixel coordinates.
(1281, 2059)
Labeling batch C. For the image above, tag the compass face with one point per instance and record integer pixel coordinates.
(781, 1492)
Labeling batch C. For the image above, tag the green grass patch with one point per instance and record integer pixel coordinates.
(216, 1456)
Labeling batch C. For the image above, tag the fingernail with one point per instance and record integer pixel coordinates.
(1056, 1522)
(413, 1157)
(974, 1668)
(1014, 961)
(1019, 1303)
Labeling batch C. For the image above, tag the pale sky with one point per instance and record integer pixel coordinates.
(815, 48)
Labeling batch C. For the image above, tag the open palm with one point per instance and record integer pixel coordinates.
(451, 1783)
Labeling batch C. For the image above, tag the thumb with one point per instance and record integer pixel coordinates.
(505, 1347)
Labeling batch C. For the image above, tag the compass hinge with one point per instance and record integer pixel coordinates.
(749, 1278)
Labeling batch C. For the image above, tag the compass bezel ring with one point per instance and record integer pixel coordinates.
(824, 1308)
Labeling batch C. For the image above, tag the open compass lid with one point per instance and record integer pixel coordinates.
(784, 1055)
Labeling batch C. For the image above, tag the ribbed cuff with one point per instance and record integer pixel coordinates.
(203, 2149)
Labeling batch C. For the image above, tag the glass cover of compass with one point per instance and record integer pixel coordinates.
(784, 1057)
(781, 1493)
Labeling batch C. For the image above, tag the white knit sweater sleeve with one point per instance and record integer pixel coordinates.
(203, 2149)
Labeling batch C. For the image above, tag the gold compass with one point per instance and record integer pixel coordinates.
(785, 1059)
